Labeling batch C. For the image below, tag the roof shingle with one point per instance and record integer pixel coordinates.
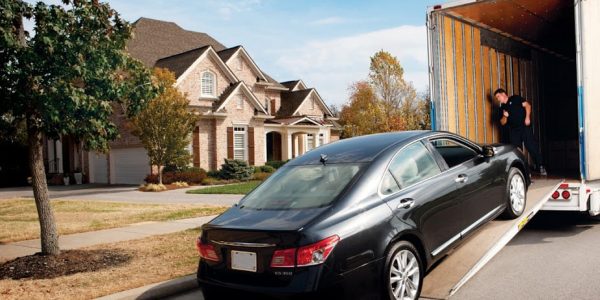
(180, 62)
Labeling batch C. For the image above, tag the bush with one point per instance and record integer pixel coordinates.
(261, 176)
(180, 184)
(151, 187)
(236, 169)
(276, 164)
(214, 174)
(265, 169)
(190, 176)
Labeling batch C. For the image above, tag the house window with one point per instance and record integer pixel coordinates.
(239, 103)
(310, 141)
(321, 139)
(239, 143)
(208, 84)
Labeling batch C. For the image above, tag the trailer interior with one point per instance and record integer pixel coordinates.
(528, 48)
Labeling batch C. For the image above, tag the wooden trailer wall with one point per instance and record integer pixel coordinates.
(469, 64)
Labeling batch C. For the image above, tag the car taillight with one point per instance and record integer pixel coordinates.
(566, 194)
(284, 258)
(309, 255)
(207, 251)
(316, 253)
(563, 186)
(555, 195)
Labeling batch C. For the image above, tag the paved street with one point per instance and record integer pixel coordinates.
(555, 257)
(120, 193)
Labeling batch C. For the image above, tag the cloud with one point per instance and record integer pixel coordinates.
(227, 9)
(332, 65)
(328, 21)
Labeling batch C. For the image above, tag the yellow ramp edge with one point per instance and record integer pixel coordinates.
(473, 253)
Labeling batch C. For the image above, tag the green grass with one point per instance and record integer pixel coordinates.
(236, 188)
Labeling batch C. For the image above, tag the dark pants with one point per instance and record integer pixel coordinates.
(524, 136)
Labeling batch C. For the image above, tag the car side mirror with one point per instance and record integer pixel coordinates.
(488, 151)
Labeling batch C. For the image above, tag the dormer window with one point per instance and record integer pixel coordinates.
(208, 84)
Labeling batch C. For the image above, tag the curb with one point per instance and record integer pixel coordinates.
(157, 290)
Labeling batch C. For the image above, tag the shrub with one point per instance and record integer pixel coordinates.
(266, 169)
(180, 184)
(261, 176)
(236, 169)
(151, 187)
(276, 164)
(190, 176)
(214, 174)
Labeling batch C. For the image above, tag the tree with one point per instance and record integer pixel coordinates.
(363, 115)
(398, 97)
(165, 125)
(63, 80)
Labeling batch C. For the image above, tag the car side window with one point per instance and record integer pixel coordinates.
(413, 164)
(389, 184)
(453, 152)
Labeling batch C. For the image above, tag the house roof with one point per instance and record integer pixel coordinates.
(225, 95)
(154, 39)
(178, 63)
(290, 84)
(241, 86)
(226, 54)
(290, 101)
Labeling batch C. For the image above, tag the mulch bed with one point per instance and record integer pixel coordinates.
(68, 262)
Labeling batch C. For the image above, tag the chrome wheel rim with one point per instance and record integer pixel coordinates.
(404, 275)
(517, 193)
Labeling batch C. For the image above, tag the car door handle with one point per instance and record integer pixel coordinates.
(406, 203)
(462, 178)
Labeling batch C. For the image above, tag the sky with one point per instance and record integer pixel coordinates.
(327, 44)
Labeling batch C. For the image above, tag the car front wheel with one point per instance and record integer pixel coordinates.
(516, 194)
(404, 272)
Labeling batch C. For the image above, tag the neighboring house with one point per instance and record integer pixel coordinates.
(244, 113)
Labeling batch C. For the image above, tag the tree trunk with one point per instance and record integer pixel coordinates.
(160, 175)
(48, 233)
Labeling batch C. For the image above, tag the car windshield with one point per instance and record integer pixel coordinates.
(300, 187)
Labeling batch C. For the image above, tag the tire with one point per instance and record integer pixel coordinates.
(516, 194)
(403, 257)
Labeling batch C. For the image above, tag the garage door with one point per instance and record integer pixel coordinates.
(98, 168)
(131, 165)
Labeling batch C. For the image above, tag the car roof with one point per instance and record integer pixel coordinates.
(358, 149)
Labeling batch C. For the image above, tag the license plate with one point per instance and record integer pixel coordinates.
(244, 261)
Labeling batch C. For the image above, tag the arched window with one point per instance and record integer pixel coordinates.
(208, 86)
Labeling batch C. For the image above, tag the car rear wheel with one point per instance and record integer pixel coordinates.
(404, 272)
(516, 194)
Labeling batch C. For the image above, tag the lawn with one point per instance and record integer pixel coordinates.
(148, 260)
(19, 220)
(236, 188)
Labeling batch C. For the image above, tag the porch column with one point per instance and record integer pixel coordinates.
(286, 146)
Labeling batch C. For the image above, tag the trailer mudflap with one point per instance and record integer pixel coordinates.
(479, 248)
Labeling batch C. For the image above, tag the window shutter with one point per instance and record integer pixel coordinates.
(230, 142)
(196, 147)
(251, 146)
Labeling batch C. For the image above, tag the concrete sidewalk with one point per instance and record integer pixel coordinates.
(80, 240)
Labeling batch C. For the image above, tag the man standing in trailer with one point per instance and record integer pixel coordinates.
(516, 114)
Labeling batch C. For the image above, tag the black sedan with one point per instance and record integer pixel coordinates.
(380, 208)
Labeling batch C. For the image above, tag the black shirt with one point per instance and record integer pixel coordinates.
(516, 111)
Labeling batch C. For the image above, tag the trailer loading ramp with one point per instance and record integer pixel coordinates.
(454, 271)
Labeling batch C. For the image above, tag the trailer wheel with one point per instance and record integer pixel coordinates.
(403, 272)
(516, 194)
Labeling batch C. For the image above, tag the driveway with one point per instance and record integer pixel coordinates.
(121, 193)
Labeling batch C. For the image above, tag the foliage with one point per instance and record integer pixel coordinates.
(151, 187)
(261, 176)
(65, 80)
(214, 174)
(180, 184)
(264, 169)
(236, 169)
(190, 176)
(384, 103)
(164, 127)
(276, 163)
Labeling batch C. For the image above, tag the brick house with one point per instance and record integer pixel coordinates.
(244, 113)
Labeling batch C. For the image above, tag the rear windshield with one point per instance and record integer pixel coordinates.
(297, 187)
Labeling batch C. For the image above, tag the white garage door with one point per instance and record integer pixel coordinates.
(98, 168)
(131, 165)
